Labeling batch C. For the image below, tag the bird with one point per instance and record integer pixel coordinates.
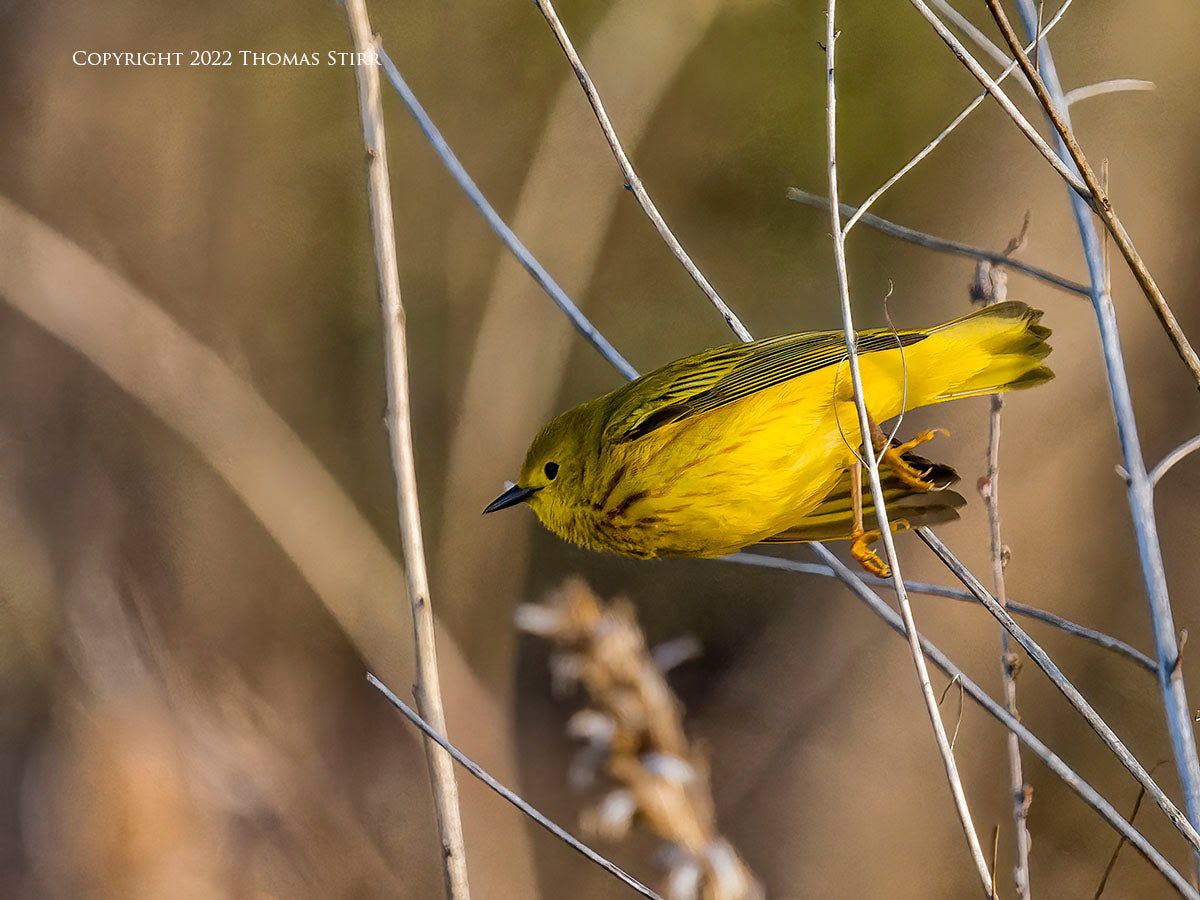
(760, 442)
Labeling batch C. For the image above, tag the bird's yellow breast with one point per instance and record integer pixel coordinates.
(714, 483)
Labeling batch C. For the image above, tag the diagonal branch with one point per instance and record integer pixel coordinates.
(1099, 198)
(933, 242)
(982, 41)
(1068, 776)
(872, 465)
(428, 690)
(515, 799)
(1099, 638)
(631, 176)
(972, 64)
(1060, 681)
(498, 225)
(954, 123)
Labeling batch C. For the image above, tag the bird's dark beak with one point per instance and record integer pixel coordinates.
(514, 495)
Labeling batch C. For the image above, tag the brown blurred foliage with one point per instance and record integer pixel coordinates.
(182, 707)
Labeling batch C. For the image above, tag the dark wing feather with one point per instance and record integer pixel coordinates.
(716, 378)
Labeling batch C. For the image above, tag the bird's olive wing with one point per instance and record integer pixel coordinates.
(719, 377)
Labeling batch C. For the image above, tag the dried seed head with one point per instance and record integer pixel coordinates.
(612, 817)
(633, 737)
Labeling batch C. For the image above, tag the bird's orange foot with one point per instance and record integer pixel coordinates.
(894, 457)
(860, 548)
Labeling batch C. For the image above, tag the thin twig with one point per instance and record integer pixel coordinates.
(1106, 641)
(497, 224)
(954, 740)
(1139, 487)
(971, 30)
(972, 64)
(631, 176)
(1093, 192)
(1112, 861)
(995, 854)
(946, 690)
(1111, 86)
(479, 772)
(991, 286)
(1055, 674)
(887, 315)
(932, 242)
(864, 423)
(945, 132)
(1168, 462)
(1037, 44)
(1053, 762)
(1098, 89)
(428, 690)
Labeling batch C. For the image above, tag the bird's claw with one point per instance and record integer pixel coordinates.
(894, 457)
(860, 548)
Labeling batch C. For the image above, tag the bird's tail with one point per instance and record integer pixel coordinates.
(997, 348)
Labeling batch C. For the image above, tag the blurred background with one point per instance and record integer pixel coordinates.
(198, 539)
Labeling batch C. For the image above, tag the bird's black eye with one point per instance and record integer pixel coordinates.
(551, 470)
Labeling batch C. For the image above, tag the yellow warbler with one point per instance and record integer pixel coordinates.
(758, 442)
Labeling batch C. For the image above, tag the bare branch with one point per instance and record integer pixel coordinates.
(1112, 86)
(991, 285)
(1099, 199)
(1100, 88)
(1168, 462)
(872, 466)
(965, 57)
(498, 225)
(954, 123)
(478, 771)
(1112, 860)
(923, 239)
(1065, 773)
(631, 176)
(1060, 681)
(982, 41)
(428, 689)
(1108, 642)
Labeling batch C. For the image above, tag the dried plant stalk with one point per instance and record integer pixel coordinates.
(427, 689)
(635, 744)
(991, 286)
(871, 467)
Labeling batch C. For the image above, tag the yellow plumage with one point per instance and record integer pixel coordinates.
(742, 444)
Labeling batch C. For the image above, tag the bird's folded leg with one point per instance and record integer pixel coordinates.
(860, 547)
(860, 539)
(893, 456)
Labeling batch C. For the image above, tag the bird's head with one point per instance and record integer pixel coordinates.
(553, 477)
